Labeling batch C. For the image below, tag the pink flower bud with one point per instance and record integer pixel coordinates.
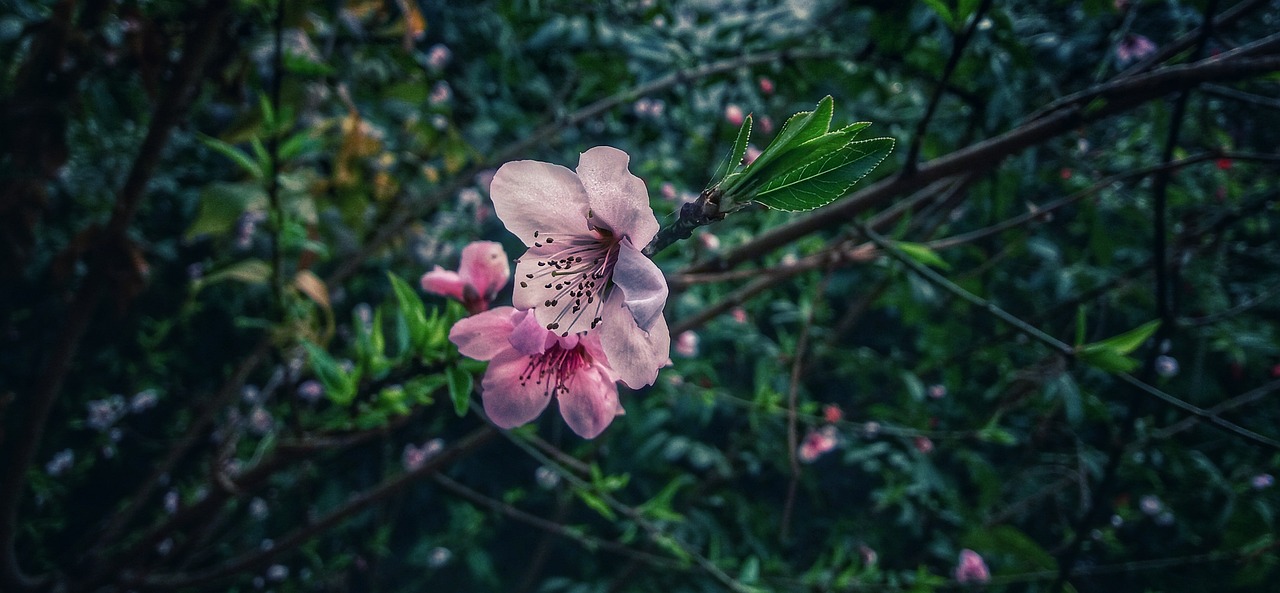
(971, 568)
(734, 114)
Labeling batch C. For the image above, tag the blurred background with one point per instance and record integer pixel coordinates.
(1035, 350)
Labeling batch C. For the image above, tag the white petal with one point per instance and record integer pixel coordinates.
(618, 199)
(634, 354)
(534, 196)
(642, 283)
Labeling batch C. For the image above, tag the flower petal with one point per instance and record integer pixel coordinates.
(529, 337)
(634, 354)
(485, 267)
(444, 283)
(534, 196)
(507, 400)
(618, 199)
(642, 283)
(590, 403)
(484, 335)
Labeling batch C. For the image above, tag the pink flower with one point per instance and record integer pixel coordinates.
(924, 445)
(766, 124)
(971, 568)
(816, 443)
(751, 155)
(1133, 48)
(937, 391)
(584, 269)
(734, 114)
(528, 365)
(438, 56)
(766, 85)
(832, 413)
(687, 344)
(482, 272)
(739, 314)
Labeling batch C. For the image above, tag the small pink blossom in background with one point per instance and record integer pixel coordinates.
(937, 391)
(584, 269)
(766, 124)
(971, 568)
(104, 413)
(734, 114)
(687, 344)
(440, 94)
(766, 85)
(923, 445)
(868, 554)
(739, 314)
(649, 108)
(1150, 504)
(310, 391)
(1262, 481)
(832, 413)
(483, 272)
(668, 190)
(751, 154)
(529, 365)
(1133, 48)
(1224, 164)
(438, 57)
(1166, 366)
(1065, 173)
(709, 241)
(260, 421)
(413, 457)
(817, 443)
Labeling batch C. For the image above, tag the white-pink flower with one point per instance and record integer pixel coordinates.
(816, 443)
(483, 272)
(971, 568)
(584, 269)
(529, 365)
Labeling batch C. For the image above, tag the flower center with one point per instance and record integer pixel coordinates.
(554, 368)
(577, 269)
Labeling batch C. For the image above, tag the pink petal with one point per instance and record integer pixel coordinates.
(530, 337)
(642, 283)
(444, 283)
(508, 401)
(618, 198)
(634, 354)
(484, 335)
(534, 196)
(591, 402)
(485, 267)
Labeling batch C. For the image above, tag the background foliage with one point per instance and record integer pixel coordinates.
(209, 382)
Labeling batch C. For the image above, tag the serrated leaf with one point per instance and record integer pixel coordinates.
(923, 254)
(799, 129)
(822, 181)
(734, 158)
(460, 384)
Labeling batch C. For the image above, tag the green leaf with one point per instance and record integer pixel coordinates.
(222, 204)
(799, 129)
(943, 11)
(249, 271)
(1111, 354)
(236, 155)
(414, 312)
(1128, 341)
(1107, 360)
(734, 158)
(460, 384)
(338, 385)
(921, 253)
(822, 181)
